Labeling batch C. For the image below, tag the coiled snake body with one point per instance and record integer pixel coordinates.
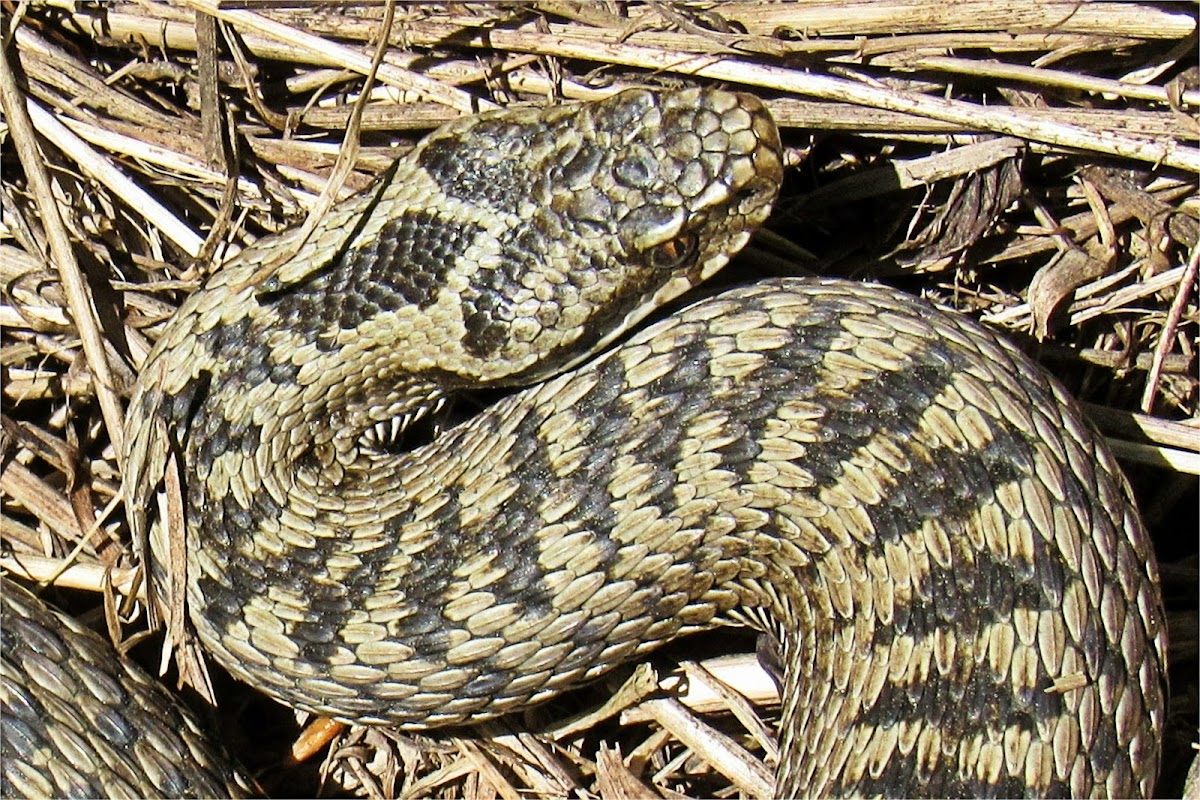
(963, 595)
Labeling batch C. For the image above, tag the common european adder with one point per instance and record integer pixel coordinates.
(946, 556)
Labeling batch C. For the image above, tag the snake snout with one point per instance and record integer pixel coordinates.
(698, 174)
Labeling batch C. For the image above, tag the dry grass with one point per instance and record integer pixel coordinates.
(1030, 163)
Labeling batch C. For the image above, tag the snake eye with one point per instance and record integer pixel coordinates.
(673, 253)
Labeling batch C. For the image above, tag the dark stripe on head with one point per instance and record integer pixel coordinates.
(406, 264)
(481, 168)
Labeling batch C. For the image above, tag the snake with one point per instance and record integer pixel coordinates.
(78, 721)
(943, 554)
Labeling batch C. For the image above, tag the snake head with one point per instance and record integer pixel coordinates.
(695, 173)
(595, 214)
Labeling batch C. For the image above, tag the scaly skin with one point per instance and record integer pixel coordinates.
(964, 595)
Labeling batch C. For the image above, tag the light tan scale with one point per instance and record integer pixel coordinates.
(962, 596)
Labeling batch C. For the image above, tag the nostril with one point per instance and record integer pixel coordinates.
(755, 190)
(744, 193)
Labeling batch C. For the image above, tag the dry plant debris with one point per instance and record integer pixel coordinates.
(1030, 163)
